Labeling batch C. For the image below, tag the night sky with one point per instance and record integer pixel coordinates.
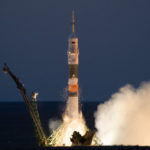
(114, 45)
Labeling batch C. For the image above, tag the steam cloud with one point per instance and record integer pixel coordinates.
(54, 124)
(125, 117)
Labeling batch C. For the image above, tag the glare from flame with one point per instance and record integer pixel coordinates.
(72, 120)
(61, 136)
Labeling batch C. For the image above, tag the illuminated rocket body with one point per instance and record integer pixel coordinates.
(73, 61)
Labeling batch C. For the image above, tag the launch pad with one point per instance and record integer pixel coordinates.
(73, 131)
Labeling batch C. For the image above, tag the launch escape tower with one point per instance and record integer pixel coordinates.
(73, 61)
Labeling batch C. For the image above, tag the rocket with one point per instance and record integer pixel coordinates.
(73, 62)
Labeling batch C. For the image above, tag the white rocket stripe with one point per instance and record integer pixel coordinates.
(73, 81)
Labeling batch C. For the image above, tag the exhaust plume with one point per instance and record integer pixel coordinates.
(125, 117)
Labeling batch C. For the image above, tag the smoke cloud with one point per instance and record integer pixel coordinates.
(125, 117)
(54, 124)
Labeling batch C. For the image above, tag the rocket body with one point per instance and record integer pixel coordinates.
(73, 61)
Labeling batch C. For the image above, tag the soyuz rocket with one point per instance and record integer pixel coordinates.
(73, 61)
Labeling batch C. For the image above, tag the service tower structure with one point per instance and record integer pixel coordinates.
(73, 61)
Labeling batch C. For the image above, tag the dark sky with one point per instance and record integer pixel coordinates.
(114, 44)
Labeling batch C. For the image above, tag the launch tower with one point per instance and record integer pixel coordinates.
(73, 61)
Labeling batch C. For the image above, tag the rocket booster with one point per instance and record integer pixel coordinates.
(73, 61)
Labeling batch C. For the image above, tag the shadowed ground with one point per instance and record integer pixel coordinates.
(83, 148)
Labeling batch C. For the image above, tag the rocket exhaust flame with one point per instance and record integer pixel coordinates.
(62, 135)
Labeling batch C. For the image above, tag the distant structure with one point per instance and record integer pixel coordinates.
(73, 61)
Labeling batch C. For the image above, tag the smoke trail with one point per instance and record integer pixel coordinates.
(125, 117)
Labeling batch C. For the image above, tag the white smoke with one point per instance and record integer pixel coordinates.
(54, 124)
(125, 117)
